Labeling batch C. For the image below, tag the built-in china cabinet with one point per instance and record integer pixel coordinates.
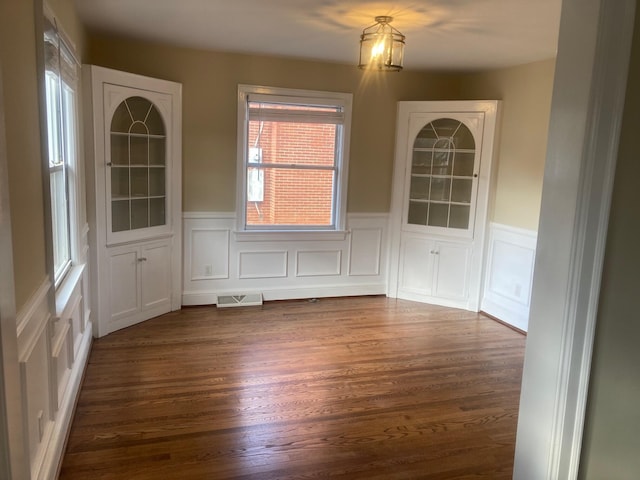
(133, 143)
(441, 192)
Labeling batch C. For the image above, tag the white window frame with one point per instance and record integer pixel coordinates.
(247, 93)
(67, 146)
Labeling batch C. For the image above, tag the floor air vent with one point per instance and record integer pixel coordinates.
(243, 300)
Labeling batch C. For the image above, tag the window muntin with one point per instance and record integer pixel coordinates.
(61, 85)
(293, 160)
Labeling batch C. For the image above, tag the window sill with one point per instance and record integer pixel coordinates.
(291, 235)
(67, 287)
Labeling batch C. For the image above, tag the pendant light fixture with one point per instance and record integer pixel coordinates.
(381, 46)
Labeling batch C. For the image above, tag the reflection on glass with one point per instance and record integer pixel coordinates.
(138, 159)
(442, 172)
(440, 188)
(119, 183)
(417, 213)
(459, 217)
(419, 188)
(157, 212)
(120, 215)
(461, 190)
(421, 163)
(463, 166)
(139, 213)
(438, 215)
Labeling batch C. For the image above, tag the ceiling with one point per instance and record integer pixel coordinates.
(440, 34)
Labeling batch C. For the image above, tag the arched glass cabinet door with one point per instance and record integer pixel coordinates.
(441, 185)
(138, 167)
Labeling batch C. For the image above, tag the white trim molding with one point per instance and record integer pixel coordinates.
(53, 349)
(508, 275)
(307, 265)
(586, 113)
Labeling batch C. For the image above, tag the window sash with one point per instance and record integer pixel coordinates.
(280, 105)
(61, 84)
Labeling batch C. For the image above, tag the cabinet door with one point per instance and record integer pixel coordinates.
(416, 265)
(156, 275)
(124, 282)
(452, 270)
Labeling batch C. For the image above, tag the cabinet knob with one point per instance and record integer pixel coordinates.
(142, 259)
(108, 164)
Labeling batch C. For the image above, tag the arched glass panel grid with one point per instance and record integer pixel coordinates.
(138, 166)
(442, 175)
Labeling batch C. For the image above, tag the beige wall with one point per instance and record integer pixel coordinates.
(210, 83)
(611, 444)
(526, 94)
(17, 50)
(20, 90)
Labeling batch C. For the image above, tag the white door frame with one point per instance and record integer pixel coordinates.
(588, 100)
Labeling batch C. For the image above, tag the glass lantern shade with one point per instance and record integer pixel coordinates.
(381, 47)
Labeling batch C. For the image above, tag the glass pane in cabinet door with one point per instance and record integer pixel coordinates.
(121, 120)
(157, 214)
(438, 215)
(459, 216)
(139, 150)
(119, 149)
(139, 182)
(442, 161)
(157, 151)
(421, 163)
(119, 183)
(120, 215)
(461, 190)
(463, 164)
(440, 189)
(418, 213)
(139, 213)
(156, 182)
(426, 138)
(419, 188)
(154, 122)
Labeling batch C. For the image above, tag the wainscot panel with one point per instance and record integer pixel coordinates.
(509, 274)
(219, 262)
(53, 349)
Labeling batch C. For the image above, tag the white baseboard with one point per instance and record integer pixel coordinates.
(211, 298)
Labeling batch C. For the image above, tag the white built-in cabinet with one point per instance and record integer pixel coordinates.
(134, 189)
(441, 194)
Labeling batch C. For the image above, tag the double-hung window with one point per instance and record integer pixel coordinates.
(293, 149)
(61, 85)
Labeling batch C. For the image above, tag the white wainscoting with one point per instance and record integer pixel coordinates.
(53, 348)
(217, 262)
(509, 274)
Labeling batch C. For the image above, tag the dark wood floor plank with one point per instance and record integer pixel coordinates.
(364, 387)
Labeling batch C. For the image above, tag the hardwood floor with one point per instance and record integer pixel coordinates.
(347, 388)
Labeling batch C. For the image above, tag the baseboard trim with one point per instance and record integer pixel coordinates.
(211, 298)
(502, 322)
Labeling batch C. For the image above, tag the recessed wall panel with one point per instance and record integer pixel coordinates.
(262, 264)
(318, 263)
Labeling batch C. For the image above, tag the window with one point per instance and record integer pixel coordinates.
(293, 152)
(61, 85)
